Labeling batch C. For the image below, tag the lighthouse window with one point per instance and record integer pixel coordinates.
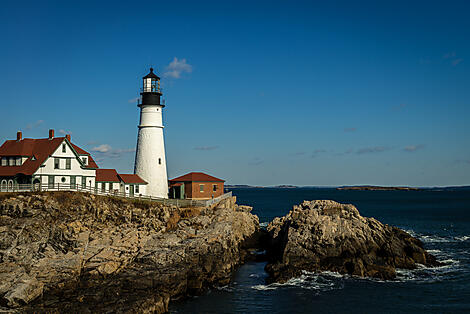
(159, 161)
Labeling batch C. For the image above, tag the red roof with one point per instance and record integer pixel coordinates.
(196, 177)
(106, 175)
(40, 149)
(91, 161)
(131, 178)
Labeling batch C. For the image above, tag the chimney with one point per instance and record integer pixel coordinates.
(68, 137)
(51, 134)
(19, 136)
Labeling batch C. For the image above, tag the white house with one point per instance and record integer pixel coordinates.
(46, 163)
(108, 181)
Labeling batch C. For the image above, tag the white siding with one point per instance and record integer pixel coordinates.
(75, 168)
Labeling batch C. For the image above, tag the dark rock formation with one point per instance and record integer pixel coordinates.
(326, 235)
(73, 252)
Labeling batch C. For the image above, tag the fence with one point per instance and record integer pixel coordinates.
(116, 193)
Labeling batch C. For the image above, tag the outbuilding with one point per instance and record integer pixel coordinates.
(197, 186)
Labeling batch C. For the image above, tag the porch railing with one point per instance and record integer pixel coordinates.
(117, 193)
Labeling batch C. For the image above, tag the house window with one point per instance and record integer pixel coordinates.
(201, 187)
(103, 187)
(56, 163)
(83, 182)
(84, 161)
(4, 161)
(62, 180)
(110, 186)
(63, 148)
(50, 181)
(18, 161)
(137, 188)
(214, 187)
(68, 163)
(11, 161)
(72, 182)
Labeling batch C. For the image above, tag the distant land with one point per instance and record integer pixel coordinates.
(353, 187)
(377, 188)
(244, 186)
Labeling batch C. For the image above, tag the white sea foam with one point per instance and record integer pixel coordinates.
(434, 238)
(324, 281)
(462, 238)
(264, 224)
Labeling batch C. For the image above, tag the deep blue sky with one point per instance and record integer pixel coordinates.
(260, 92)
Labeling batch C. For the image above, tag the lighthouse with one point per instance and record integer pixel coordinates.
(150, 161)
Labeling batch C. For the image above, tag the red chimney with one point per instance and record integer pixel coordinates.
(51, 134)
(19, 135)
(68, 137)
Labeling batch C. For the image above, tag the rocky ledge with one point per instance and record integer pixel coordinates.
(74, 252)
(325, 235)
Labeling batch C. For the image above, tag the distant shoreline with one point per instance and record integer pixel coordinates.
(378, 188)
(352, 187)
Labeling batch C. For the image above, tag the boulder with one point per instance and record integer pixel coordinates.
(324, 235)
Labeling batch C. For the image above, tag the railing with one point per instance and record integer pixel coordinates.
(96, 191)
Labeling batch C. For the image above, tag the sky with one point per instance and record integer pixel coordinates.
(309, 93)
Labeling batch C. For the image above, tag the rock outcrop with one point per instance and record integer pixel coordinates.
(77, 252)
(326, 235)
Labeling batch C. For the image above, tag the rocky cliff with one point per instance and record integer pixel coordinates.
(76, 252)
(326, 235)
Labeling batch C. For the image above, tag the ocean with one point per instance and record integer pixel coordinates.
(441, 219)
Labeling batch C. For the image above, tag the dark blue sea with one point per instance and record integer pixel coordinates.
(441, 219)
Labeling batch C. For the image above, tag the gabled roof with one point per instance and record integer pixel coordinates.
(106, 175)
(196, 177)
(40, 149)
(131, 179)
(81, 152)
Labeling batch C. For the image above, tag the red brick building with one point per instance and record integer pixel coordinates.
(196, 185)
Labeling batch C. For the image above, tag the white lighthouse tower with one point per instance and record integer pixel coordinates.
(150, 161)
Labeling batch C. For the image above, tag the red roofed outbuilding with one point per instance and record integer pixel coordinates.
(196, 185)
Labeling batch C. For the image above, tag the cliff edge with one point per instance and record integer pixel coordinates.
(75, 252)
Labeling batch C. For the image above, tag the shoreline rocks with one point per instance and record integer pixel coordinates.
(324, 235)
(76, 252)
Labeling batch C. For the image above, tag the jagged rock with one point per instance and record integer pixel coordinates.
(325, 235)
(76, 252)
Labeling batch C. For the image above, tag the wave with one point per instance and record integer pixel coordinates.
(462, 238)
(324, 281)
(434, 238)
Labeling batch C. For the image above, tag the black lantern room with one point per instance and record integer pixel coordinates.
(151, 89)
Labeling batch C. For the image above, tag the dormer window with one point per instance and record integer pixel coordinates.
(85, 161)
